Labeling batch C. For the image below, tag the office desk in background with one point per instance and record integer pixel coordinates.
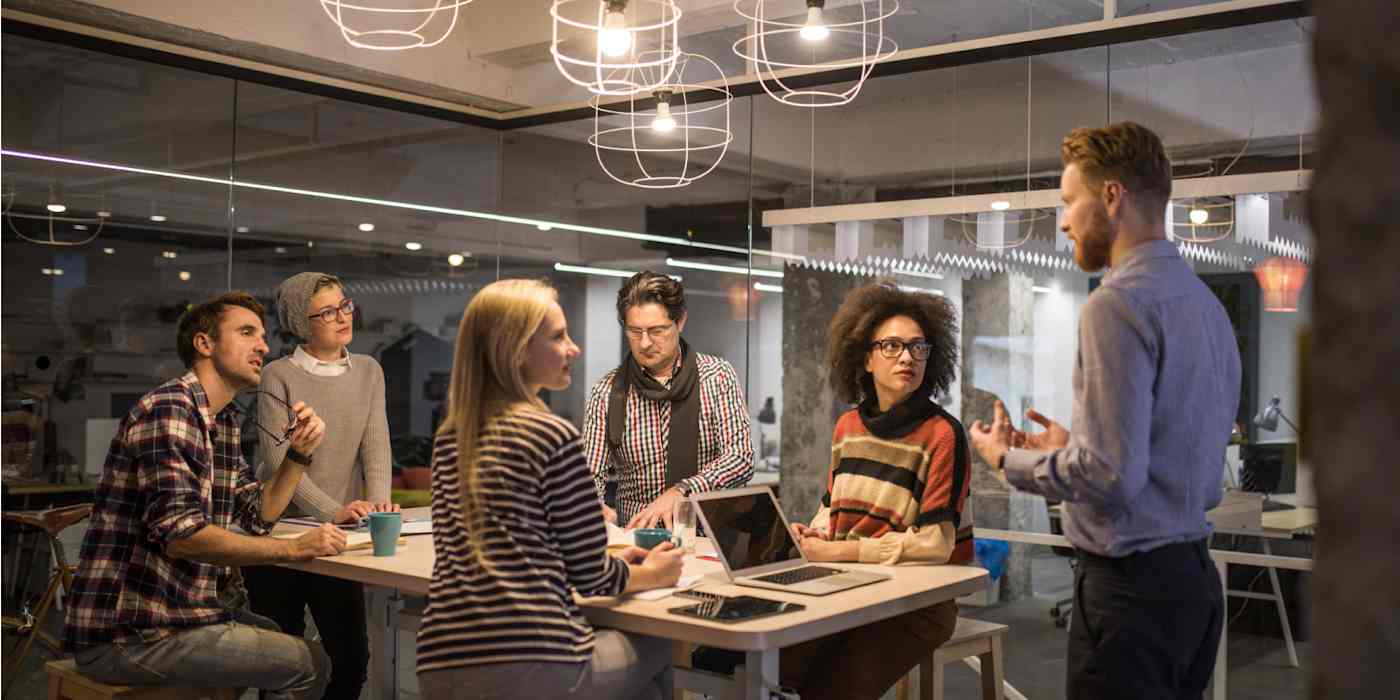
(410, 571)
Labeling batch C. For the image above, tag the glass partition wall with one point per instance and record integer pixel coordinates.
(176, 185)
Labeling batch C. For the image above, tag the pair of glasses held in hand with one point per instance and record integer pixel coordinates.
(281, 433)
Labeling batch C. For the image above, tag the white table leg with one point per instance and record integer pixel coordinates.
(384, 606)
(760, 674)
(1222, 669)
(1282, 610)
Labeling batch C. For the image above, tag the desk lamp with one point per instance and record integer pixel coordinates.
(1268, 420)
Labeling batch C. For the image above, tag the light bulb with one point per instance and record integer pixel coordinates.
(366, 227)
(158, 218)
(544, 227)
(184, 275)
(814, 29)
(110, 251)
(56, 207)
(1001, 205)
(663, 122)
(242, 229)
(455, 259)
(614, 39)
(413, 245)
(1199, 216)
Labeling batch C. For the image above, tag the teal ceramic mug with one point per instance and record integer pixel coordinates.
(648, 537)
(384, 531)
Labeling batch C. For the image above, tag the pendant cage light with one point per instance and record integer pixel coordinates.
(670, 137)
(1203, 219)
(403, 25)
(87, 227)
(616, 47)
(781, 47)
(1000, 213)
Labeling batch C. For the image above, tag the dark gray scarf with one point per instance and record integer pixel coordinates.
(683, 438)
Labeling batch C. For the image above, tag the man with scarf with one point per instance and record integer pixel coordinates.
(670, 421)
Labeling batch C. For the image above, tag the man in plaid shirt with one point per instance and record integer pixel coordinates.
(156, 599)
(670, 421)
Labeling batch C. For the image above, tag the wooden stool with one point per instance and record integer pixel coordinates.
(971, 638)
(66, 683)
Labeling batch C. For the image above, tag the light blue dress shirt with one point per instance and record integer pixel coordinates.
(1156, 389)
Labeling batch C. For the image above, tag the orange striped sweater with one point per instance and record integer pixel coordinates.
(904, 498)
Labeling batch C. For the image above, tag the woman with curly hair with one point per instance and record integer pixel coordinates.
(897, 486)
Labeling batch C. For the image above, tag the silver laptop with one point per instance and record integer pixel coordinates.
(756, 547)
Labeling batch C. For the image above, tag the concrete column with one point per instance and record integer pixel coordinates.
(997, 363)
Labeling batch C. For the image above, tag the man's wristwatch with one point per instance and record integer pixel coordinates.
(298, 457)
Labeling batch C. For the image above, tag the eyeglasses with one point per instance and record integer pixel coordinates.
(278, 436)
(346, 307)
(655, 332)
(894, 347)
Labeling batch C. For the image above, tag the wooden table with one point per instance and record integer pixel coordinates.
(912, 587)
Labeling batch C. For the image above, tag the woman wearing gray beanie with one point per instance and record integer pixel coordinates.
(350, 474)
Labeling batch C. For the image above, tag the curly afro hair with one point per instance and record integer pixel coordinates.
(853, 327)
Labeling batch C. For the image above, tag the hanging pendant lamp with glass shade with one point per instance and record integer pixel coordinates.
(785, 37)
(616, 47)
(670, 137)
(382, 25)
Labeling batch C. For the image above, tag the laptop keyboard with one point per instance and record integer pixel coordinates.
(806, 573)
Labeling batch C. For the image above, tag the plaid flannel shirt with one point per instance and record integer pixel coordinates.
(639, 467)
(172, 469)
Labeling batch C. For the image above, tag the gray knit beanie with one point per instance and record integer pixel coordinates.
(294, 300)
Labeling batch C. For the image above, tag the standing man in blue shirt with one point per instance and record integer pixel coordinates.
(1156, 388)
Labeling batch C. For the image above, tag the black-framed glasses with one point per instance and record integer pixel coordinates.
(328, 315)
(655, 332)
(894, 347)
(280, 435)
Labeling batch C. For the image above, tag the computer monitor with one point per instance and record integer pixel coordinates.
(1269, 467)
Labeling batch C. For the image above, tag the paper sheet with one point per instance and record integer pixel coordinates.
(659, 593)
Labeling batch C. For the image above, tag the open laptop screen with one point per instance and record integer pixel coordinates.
(748, 530)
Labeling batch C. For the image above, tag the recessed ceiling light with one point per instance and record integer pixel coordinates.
(242, 229)
(455, 259)
(366, 227)
(1001, 205)
(158, 218)
(311, 244)
(168, 254)
(56, 207)
(543, 227)
(104, 214)
(110, 251)
(279, 249)
(413, 245)
(53, 271)
(80, 227)
(184, 275)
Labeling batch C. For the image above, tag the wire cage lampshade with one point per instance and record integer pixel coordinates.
(386, 25)
(779, 44)
(616, 47)
(62, 222)
(670, 137)
(1203, 219)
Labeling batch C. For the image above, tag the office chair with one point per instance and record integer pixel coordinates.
(1062, 609)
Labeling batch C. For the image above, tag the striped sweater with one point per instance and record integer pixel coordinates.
(544, 536)
(903, 498)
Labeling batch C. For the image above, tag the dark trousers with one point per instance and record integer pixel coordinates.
(1146, 626)
(337, 607)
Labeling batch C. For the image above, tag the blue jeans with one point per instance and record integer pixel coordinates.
(247, 652)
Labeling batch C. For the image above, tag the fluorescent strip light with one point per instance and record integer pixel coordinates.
(724, 268)
(776, 289)
(488, 216)
(921, 290)
(604, 271)
(1043, 290)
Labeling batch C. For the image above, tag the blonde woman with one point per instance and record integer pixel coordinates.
(518, 528)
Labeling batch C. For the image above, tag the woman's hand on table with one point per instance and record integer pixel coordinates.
(802, 532)
(358, 510)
